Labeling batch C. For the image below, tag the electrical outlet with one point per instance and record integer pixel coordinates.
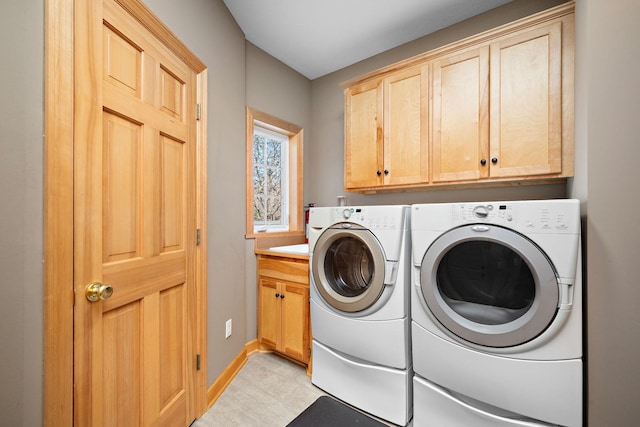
(228, 326)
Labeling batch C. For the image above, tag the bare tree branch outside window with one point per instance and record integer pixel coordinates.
(269, 179)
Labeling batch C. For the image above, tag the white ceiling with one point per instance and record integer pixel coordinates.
(317, 37)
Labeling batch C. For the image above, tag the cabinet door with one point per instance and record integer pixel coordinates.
(460, 116)
(269, 304)
(363, 135)
(295, 321)
(406, 127)
(526, 103)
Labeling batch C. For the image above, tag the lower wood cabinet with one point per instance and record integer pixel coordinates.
(283, 306)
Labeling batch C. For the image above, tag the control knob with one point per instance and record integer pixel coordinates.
(481, 211)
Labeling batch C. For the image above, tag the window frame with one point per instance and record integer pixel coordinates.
(295, 176)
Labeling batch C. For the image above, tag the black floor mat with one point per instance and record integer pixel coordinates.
(329, 412)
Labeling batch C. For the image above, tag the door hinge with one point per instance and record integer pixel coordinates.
(197, 111)
(197, 236)
(197, 362)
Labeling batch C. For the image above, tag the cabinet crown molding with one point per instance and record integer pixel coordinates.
(485, 36)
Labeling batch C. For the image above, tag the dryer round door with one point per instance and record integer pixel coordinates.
(489, 285)
(348, 267)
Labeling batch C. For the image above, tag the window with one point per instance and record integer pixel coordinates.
(270, 166)
(274, 176)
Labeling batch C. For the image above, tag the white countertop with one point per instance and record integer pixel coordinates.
(301, 249)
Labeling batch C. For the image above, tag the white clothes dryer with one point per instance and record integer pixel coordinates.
(497, 314)
(359, 295)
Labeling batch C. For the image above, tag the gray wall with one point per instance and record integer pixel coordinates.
(326, 170)
(611, 45)
(209, 30)
(276, 89)
(21, 273)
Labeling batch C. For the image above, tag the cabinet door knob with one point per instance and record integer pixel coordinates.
(277, 295)
(281, 296)
(378, 173)
(494, 160)
(483, 162)
(386, 172)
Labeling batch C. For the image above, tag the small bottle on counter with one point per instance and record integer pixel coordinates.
(306, 221)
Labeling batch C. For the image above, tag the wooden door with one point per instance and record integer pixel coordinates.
(460, 116)
(363, 155)
(268, 312)
(295, 321)
(526, 103)
(406, 119)
(134, 224)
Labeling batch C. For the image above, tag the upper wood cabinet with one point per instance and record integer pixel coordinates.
(363, 142)
(526, 103)
(405, 126)
(387, 139)
(460, 115)
(493, 109)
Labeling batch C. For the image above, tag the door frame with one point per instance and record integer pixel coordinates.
(58, 292)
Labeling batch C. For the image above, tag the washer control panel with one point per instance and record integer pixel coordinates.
(372, 217)
(489, 212)
(557, 216)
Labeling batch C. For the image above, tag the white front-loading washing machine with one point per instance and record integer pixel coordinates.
(497, 314)
(360, 293)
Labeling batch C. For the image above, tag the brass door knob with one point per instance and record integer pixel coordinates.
(97, 291)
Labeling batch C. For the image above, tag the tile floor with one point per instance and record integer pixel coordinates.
(269, 391)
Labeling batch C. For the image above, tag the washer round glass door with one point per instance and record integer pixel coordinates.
(348, 267)
(489, 285)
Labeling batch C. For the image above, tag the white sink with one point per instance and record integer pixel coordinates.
(302, 249)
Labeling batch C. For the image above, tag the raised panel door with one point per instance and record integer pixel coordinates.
(405, 127)
(269, 313)
(460, 116)
(526, 103)
(363, 135)
(295, 321)
(134, 224)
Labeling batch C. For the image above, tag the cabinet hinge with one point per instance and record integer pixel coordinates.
(197, 362)
(197, 111)
(197, 236)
